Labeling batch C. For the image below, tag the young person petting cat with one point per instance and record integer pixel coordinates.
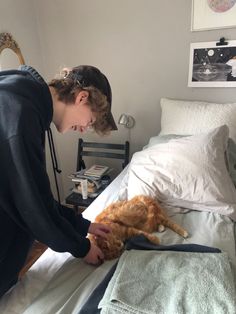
(28, 211)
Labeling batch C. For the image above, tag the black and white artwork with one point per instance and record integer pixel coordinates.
(212, 65)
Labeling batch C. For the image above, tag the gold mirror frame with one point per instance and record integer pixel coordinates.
(7, 41)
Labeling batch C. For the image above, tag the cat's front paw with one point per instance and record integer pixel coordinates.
(154, 239)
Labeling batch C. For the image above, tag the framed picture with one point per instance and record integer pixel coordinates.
(210, 14)
(212, 65)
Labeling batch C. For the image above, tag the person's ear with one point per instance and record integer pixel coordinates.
(82, 97)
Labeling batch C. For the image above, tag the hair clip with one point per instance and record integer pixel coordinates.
(78, 82)
(66, 72)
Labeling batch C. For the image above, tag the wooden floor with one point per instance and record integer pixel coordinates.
(35, 252)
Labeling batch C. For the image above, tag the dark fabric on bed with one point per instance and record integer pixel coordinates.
(142, 243)
(138, 243)
(91, 306)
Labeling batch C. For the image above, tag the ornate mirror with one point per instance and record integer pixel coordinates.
(10, 53)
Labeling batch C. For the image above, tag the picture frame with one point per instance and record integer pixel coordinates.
(211, 14)
(212, 64)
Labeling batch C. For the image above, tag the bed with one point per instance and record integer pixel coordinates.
(196, 187)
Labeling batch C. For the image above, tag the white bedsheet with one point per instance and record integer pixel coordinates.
(59, 283)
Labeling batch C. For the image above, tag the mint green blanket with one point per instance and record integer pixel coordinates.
(150, 282)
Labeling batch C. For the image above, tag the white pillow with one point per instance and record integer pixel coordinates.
(188, 172)
(194, 117)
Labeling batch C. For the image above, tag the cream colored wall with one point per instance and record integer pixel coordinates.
(141, 45)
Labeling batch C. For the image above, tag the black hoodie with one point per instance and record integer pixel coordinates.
(28, 210)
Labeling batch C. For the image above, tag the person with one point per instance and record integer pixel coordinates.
(78, 100)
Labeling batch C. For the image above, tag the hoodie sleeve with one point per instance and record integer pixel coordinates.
(80, 224)
(29, 200)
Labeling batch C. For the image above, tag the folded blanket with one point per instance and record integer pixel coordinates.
(149, 282)
(139, 243)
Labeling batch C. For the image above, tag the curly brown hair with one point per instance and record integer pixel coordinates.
(67, 88)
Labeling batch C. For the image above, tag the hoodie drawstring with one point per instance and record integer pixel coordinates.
(54, 161)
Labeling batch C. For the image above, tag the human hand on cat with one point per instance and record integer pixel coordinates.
(99, 230)
(94, 256)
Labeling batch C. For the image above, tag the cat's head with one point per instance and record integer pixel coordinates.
(111, 247)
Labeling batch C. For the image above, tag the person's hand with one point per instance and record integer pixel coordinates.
(99, 230)
(94, 256)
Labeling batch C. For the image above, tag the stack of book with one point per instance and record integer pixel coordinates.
(96, 171)
(93, 175)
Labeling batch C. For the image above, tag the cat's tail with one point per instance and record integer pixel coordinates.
(175, 227)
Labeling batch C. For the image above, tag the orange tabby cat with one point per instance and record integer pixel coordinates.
(140, 215)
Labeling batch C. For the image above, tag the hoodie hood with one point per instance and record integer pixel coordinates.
(28, 83)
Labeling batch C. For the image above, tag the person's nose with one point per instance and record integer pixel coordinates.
(78, 128)
(82, 129)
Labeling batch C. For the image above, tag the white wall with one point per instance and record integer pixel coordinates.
(141, 45)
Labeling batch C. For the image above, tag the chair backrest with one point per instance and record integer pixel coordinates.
(105, 150)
